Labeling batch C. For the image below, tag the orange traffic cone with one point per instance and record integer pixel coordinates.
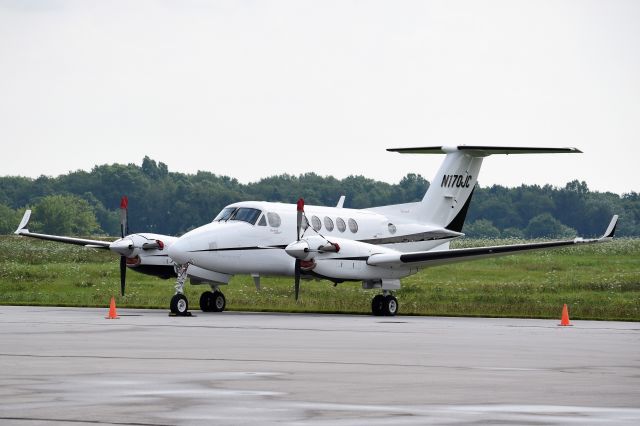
(565, 316)
(112, 309)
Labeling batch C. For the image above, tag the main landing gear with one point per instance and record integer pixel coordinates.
(212, 301)
(384, 305)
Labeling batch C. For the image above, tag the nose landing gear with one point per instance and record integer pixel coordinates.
(179, 304)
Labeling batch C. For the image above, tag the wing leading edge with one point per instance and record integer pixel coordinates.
(22, 230)
(483, 150)
(429, 258)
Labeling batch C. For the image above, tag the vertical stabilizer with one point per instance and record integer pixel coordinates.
(447, 200)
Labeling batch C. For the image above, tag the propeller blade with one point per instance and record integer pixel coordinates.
(297, 270)
(124, 230)
(123, 273)
(297, 279)
(124, 216)
(299, 219)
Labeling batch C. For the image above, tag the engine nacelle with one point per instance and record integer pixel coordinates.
(347, 263)
(148, 255)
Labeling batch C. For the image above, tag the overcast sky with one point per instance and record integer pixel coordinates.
(251, 89)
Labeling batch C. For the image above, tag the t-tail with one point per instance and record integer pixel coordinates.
(447, 200)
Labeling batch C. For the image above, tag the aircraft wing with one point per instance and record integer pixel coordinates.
(22, 230)
(431, 258)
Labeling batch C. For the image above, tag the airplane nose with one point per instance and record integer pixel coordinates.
(178, 251)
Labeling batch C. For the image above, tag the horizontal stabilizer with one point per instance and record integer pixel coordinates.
(483, 151)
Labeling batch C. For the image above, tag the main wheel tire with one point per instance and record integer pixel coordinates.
(206, 301)
(390, 306)
(377, 305)
(179, 305)
(218, 301)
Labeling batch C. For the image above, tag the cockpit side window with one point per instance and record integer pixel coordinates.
(225, 214)
(245, 214)
(262, 221)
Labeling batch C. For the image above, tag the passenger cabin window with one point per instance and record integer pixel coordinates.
(315, 222)
(353, 226)
(225, 214)
(245, 214)
(392, 228)
(341, 225)
(328, 223)
(274, 219)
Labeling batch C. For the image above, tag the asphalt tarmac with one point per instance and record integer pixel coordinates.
(73, 366)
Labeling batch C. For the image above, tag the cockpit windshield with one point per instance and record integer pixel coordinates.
(225, 214)
(243, 214)
(246, 214)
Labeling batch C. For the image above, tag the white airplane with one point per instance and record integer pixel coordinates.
(377, 246)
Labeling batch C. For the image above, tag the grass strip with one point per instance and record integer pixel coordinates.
(598, 282)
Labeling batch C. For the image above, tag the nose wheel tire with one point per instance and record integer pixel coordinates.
(212, 301)
(179, 305)
(384, 305)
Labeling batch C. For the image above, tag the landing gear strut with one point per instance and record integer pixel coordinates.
(384, 305)
(179, 304)
(212, 301)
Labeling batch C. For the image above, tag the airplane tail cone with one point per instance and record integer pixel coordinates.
(565, 316)
(112, 309)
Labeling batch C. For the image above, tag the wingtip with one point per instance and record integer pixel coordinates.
(611, 229)
(23, 223)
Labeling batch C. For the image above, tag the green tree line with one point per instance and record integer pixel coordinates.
(87, 203)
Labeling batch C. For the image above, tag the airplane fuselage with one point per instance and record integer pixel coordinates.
(228, 244)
